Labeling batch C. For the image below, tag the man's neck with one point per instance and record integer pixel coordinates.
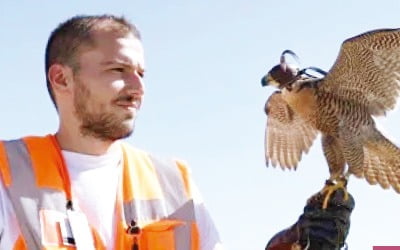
(83, 144)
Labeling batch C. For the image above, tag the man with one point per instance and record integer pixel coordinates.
(82, 188)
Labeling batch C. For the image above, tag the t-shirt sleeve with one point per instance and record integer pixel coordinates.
(209, 236)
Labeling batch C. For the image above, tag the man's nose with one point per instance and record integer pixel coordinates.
(135, 82)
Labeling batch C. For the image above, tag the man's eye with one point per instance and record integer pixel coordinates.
(141, 74)
(120, 70)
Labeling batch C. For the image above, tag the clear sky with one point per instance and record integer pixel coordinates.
(204, 101)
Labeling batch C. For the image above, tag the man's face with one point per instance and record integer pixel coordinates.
(108, 87)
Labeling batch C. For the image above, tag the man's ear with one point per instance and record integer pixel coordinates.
(60, 77)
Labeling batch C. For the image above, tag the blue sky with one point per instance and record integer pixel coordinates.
(204, 101)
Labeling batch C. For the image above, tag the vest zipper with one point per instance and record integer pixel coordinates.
(134, 230)
(135, 245)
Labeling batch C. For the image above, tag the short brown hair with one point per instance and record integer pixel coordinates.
(65, 41)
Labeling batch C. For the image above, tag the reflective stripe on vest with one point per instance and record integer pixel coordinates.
(156, 195)
(166, 196)
(26, 197)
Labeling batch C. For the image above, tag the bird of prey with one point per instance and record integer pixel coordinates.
(340, 105)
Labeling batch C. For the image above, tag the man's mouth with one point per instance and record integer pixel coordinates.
(129, 102)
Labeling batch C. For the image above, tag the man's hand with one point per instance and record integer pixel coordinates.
(317, 228)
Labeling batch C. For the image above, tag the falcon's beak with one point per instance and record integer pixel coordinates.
(265, 81)
(268, 80)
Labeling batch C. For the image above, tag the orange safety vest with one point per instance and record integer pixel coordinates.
(155, 198)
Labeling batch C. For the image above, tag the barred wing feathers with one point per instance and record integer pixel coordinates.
(287, 135)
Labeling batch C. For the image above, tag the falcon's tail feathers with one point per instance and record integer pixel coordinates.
(382, 161)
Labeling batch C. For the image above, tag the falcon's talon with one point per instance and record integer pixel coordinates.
(329, 182)
(332, 186)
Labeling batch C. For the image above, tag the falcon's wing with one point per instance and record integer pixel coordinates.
(367, 70)
(287, 135)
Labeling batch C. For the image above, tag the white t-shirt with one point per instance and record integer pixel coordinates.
(94, 182)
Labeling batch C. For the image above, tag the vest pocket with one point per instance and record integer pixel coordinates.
(159, 235)
(52, 225)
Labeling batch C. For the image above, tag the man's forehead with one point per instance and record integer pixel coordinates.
(130, 51)
(114, 47)
(104, 37)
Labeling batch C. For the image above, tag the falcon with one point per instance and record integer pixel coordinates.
(340, 104)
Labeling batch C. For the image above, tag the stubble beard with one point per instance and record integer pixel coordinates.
(106, 126)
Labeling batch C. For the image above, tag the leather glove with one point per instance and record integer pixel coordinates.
(317, 228)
